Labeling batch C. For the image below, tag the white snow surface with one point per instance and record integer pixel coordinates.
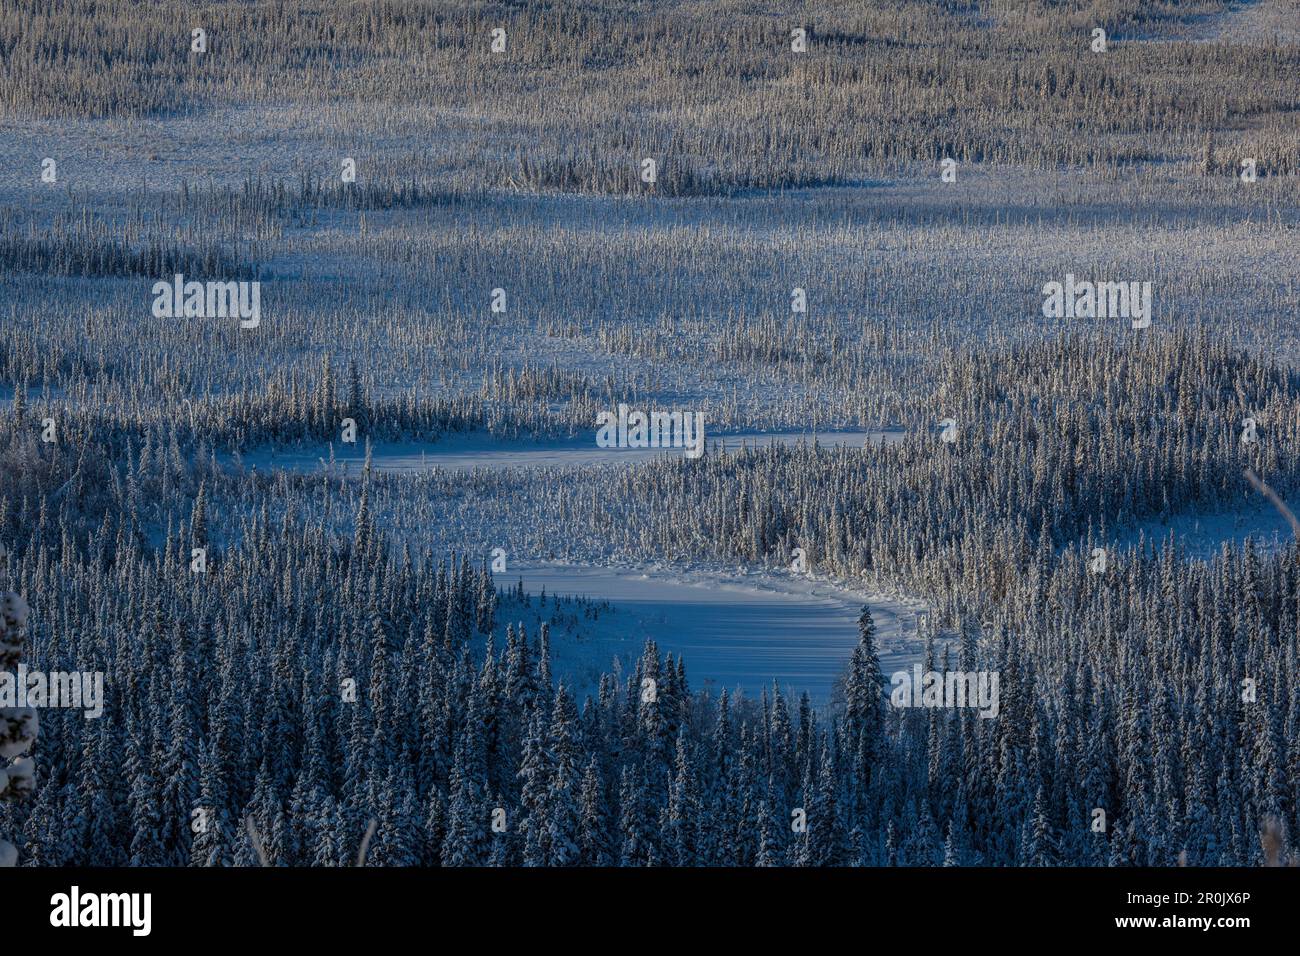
(481, 450)
(737, 631)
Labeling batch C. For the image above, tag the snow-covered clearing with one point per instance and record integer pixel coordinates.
(480, 450)
(1203, 535)
(1252, 21)
(1244, 21)
(736, 630)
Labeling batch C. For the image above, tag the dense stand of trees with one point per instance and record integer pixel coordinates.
(1161, 692)
(335, 665)
(18, 725)
(231, 692)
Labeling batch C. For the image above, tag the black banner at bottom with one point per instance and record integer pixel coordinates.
(345, 906)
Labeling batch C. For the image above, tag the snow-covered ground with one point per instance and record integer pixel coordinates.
(480, 450)
(736, 631)
(1203, 535)
(1243, 21)
(1252, 21)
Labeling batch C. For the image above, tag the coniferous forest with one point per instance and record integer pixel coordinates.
(329, 535)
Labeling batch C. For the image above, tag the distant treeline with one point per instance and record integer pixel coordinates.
(719, 98)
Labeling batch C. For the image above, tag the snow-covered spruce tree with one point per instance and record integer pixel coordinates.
(17, 724)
